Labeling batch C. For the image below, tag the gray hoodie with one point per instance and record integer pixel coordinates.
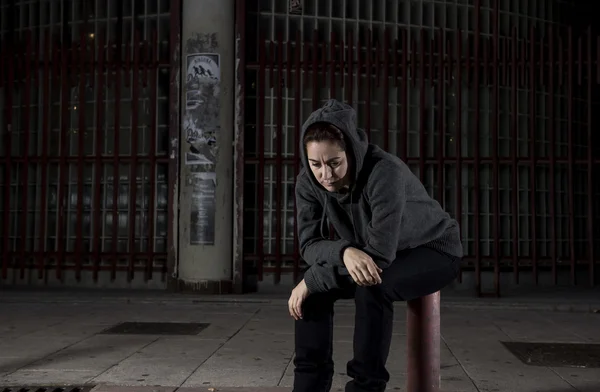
(386, 210)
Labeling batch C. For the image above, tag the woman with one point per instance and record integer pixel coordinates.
(395, 243)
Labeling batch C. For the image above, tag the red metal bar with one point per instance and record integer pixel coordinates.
(288, 63)
(44, 167)
(404, 93)
(350, 60)
(315, 70)
(80, 153)
(324, 62)
(359, 70)
(495, 165)
(341, 61)
(477, 132)
(590, 165)
(332, 65)
(369, 73)
(271, 58)
(98, 166)
(297, 131)
(422, 108)
(386, 91)
(514, 195)
(441, 115)
(26, 105)
(133, 169)
(423, 344)
(261, 152)
(532, 155)
(280, 140)
(117, 63)
(570, 171)
(396, 65)
(63, 169)
(377, 64)
(458, 127)
(552, 151)
(153, 69)
(147, 55)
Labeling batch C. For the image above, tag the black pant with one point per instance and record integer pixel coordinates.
(415, 273)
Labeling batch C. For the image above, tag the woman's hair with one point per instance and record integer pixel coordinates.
(321, 132)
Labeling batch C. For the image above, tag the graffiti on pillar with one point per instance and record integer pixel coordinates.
(201, 128)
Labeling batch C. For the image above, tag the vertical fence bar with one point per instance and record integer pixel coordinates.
(297, 142)
(80, 152)
(8, 107)
(570, 158)
(117, 63)
(590, 161)
(459, 157)
(98, 166)
(404, 93)
(477, 159)
(532, 155)
(552, 154)
(315, 70)
(26, 104)
(350, 61)
(279, 139)
(332, 65)
(44, 160)
(359, 69)
(62, 171)
(515, 153)
(261, 153)
(440, 114)
(135, 93)
(495, 136)
(368, 74)
(153, 69)
(386, 90)
(422, 111)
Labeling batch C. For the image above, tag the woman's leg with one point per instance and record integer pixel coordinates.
(314, 342)
(415, 273)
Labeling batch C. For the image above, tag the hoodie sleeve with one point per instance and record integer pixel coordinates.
(386, 191)
(323, 255)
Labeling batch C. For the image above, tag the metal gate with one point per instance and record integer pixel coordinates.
(85, 178)
(497, 120)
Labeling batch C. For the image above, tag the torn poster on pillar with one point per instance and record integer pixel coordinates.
(203, 208)
(201, 117)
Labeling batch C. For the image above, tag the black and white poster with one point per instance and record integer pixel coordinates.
(201, 118)
(202, 211)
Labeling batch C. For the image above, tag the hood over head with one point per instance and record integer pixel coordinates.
(343, 117)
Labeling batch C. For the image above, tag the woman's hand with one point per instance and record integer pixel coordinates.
(361, 266)
(298, 296)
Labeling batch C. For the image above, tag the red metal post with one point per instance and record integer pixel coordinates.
(315, 70)
(552, 148)
(458, 128)
(332, 65)
(423, 344)
(368, 74)
(404, 95)
(44, 161)
(98, 165)
(590, 163)
(25, 168)
(117, 63)
(422, 108)
(260, 181)
(515, 153)
(476, 157)
(386, 90)
(63, 169)
(495, 164)
(350, 61)
(441, 115)
(570, 158)
(80, 154)
(279, 139)
(8, 107)
(153, 68)
(135, 92)
(297, 130)
(532, 155)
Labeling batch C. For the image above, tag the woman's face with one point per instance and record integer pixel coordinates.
(329, 164)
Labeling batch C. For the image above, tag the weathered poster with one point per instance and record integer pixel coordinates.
(201, 116)
(202, 211)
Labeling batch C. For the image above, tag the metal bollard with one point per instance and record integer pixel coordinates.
(423, 344)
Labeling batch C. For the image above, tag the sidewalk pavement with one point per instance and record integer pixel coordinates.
(53, 338)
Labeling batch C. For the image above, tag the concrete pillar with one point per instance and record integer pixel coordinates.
(206, 166)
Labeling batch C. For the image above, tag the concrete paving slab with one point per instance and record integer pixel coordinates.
(139, 370)
(181, 347)
(45, 377)
(34, 347)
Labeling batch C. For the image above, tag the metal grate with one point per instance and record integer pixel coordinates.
(29, 388)
(150, 328)
(575, 355)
